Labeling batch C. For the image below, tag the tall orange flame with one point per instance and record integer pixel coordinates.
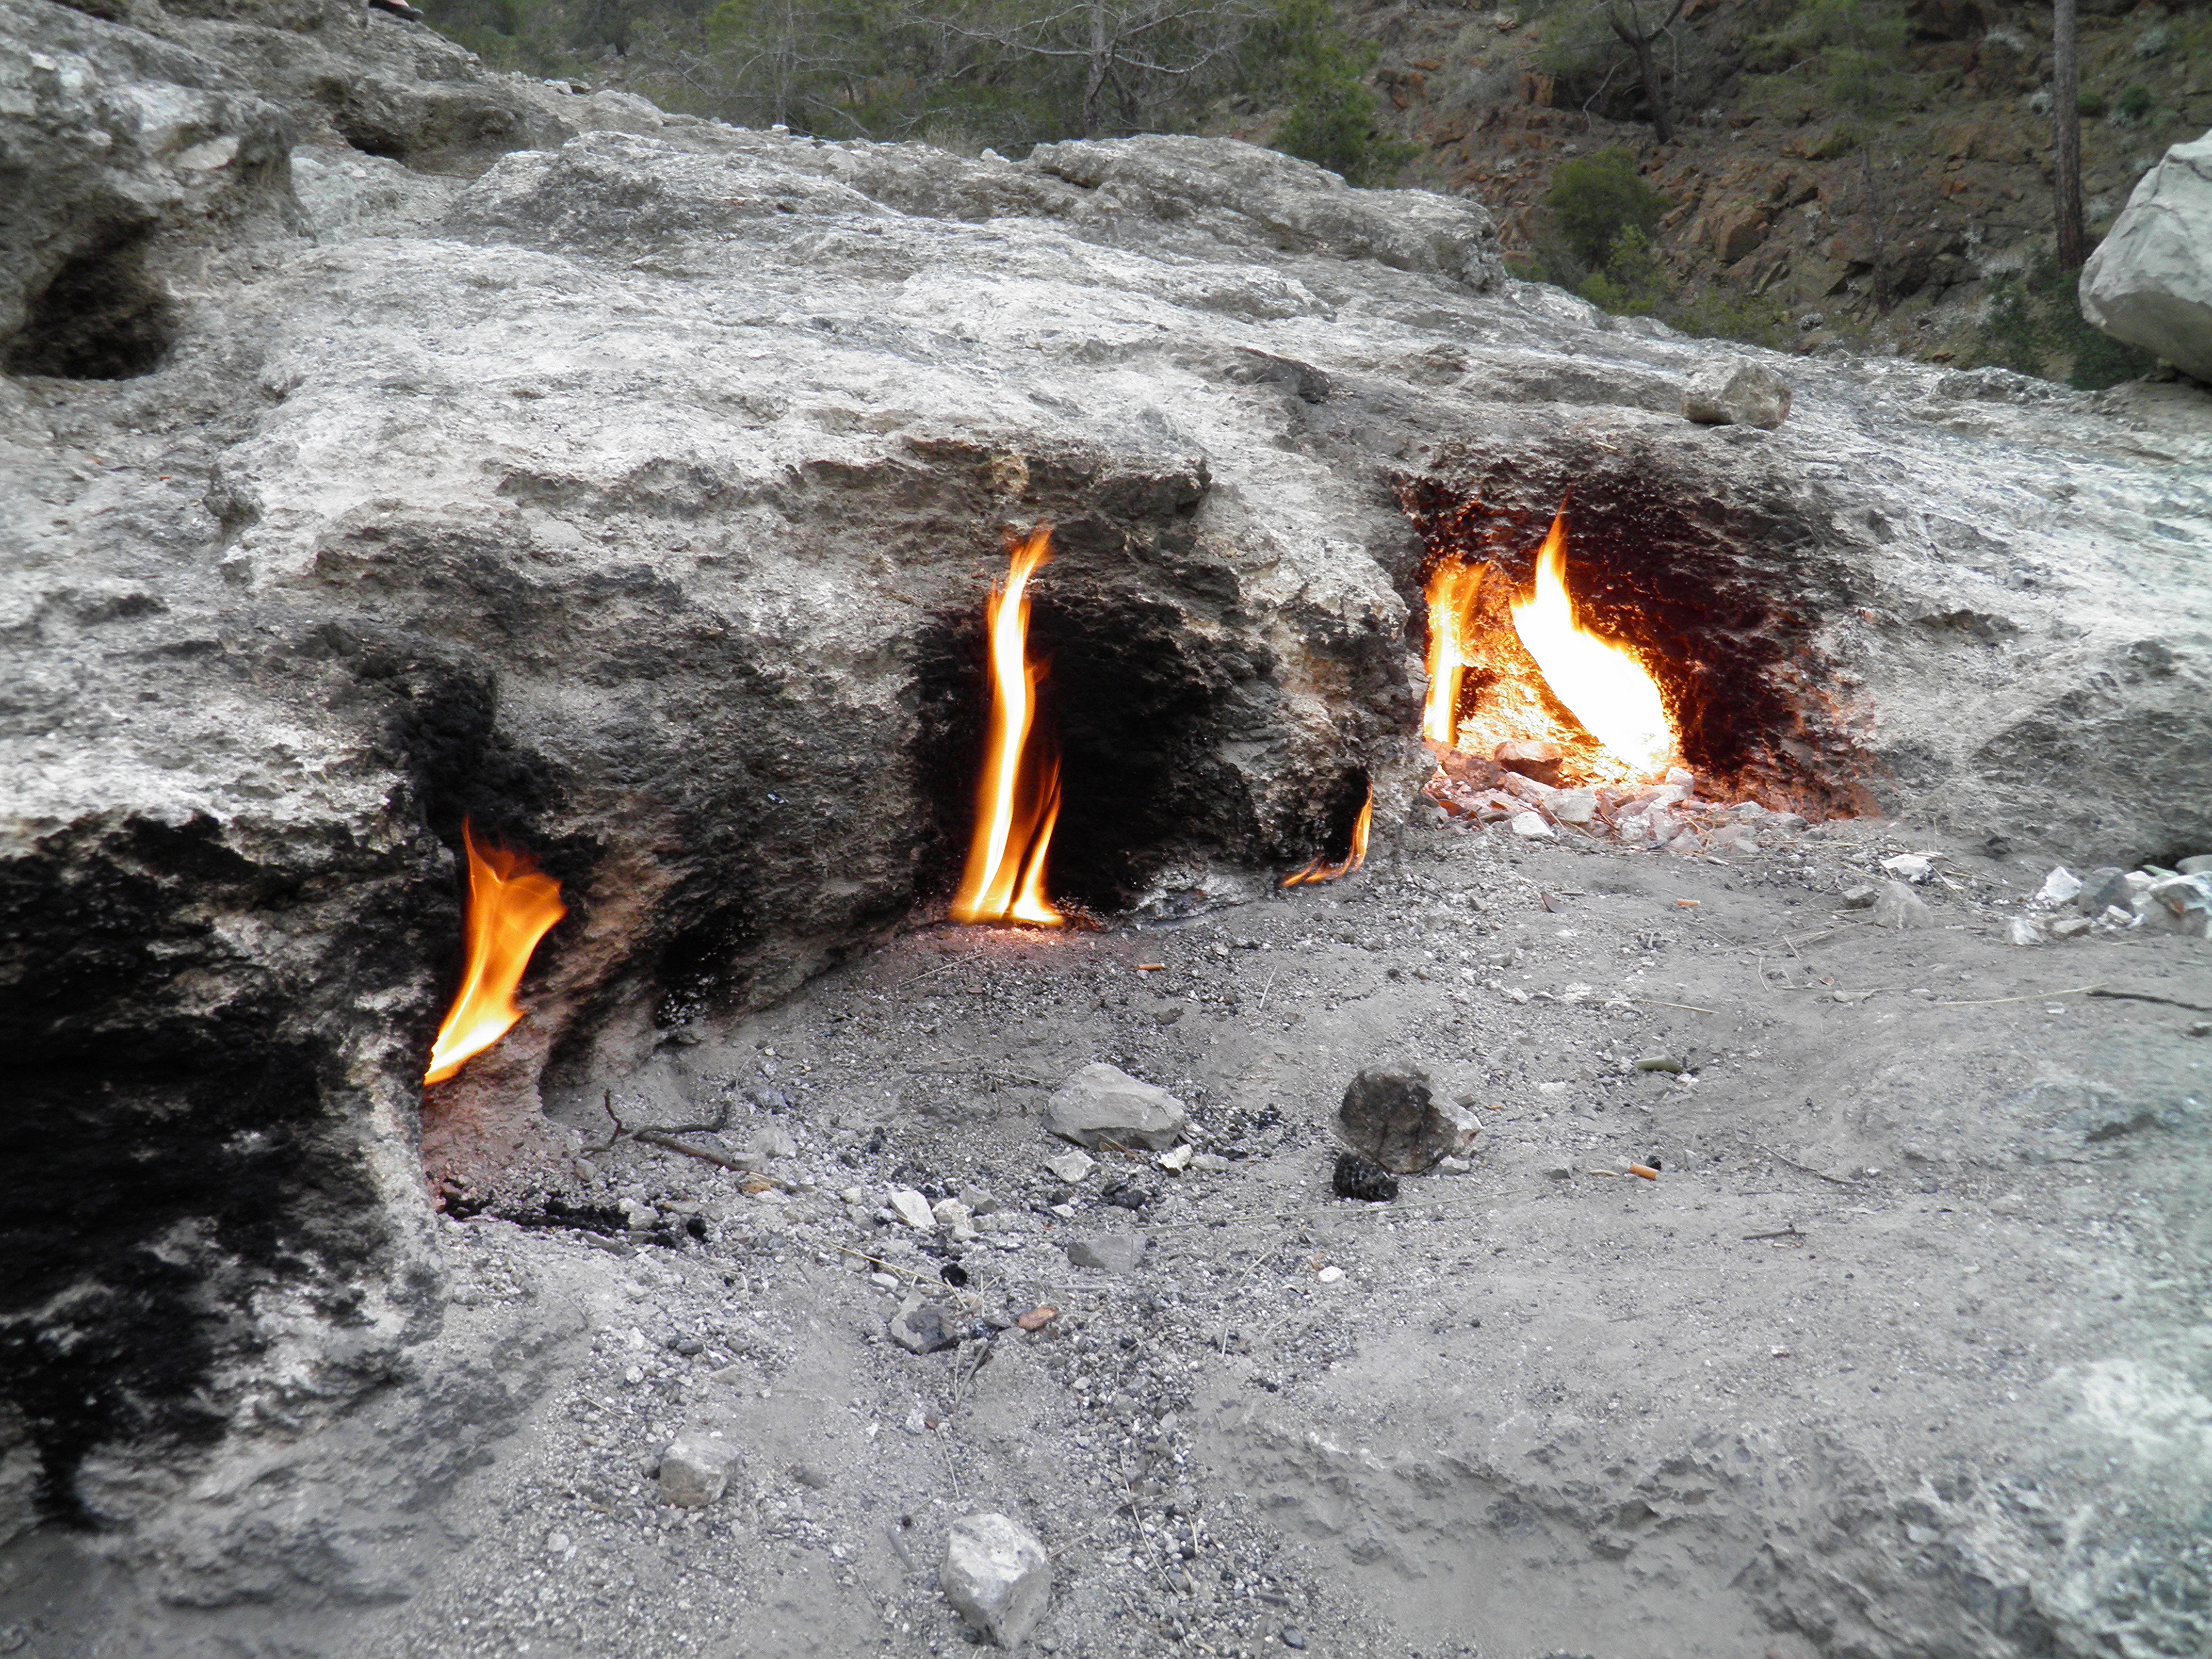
(1016, 805)
(512, 904)
(1321, 869)
(1452, 591)
(1603, 686)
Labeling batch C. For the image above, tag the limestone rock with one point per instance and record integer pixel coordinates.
(694, 1470)
(1391, 1116)
(2149, 283)
(996, 1577)
(1737, 392)
(1103, 1104)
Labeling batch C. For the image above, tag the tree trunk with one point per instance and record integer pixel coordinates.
(1638, 39)
(1095, 72)
(1647, 65)
(2066, 132)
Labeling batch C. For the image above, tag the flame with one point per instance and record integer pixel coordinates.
(511, 904)
(1603, 686)
(1451, 595)
(1320, 869)
(1015, 807)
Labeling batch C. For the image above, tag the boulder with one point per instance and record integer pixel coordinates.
(1896, 905)
(1736, 393)
(2149, 281)
(1390, 1116)
(996, 1577)
(1103, 1105)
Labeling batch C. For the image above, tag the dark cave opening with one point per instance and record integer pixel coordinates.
(102, 316)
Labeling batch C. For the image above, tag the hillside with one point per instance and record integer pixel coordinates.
(1769, 228)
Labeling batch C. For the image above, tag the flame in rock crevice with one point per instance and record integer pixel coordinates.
(1604, 687)
(1452, 591)
(1017, 800)
(512, 905)
(1321, 869)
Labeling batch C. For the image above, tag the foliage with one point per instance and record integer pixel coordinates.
(1595, 197)
(2090, 105)
(2034, 326)
(1632, 282)
(1855, 49)
(1007, 73)
(1300, 57)
(2134, 104)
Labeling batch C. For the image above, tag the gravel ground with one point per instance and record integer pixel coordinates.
(1906, 1349)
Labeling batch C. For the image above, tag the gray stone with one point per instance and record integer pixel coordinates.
(2071, 927)
(2022, 930)
(2198, 865)
(1391, 1116)
(1896, 905)
(996, 1577)
(1103, 1105)
(1861, 897)
(1071, 1167)
(2060, 886)
(694, 1470)
(2100, 889)
(925, 1324)
(2149, 283)
(773, 1140)
(1112, 1253)
(1738, 392)
(911, 1207)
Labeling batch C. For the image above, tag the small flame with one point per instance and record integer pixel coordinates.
(1321, 870)
(1016, 805)
(1451, 595)
(1603, 686)
(512, 904)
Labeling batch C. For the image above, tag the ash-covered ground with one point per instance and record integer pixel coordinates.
(1906, 1351)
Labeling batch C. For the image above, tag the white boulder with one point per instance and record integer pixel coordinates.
(2149, 283)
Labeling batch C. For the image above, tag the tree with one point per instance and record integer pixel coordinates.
(2066, 132)
(1628, 19)
(1597, 197)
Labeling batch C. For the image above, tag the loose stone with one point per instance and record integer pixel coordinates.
(1105, 1104)
(1392, 1118)
(996, 1577)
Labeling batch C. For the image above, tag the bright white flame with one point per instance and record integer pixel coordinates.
(1602, 686)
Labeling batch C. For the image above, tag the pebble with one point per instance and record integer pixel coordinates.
(911, 1207)
(2071, 927)
(1910, 867)
(922, 1326)
(2059, 887)
(1330, 1274)
(1660, 1063)
(694, 1470)
(1293, 1637)
(1113, 1253)
(1211, 1162)
(1178, 1160)
(1071, 1167)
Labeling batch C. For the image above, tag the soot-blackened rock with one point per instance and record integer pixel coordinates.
(1390, 1117)
(1357, 1177)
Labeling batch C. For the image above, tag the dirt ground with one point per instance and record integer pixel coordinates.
(1906, 1349)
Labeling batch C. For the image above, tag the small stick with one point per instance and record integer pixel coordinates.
(1807, 1168)
(1260, 1006)
(2143, 996)
(1654, 1002)
(1790, 1232)
(667, 1142)
(1991, 1002)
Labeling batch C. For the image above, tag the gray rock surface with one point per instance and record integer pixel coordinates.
(996, 1577)
(1736, 393)
(925, 1324)
(1390, 1116)
(1103, 1104)
(1896, 905)
(2149, 281)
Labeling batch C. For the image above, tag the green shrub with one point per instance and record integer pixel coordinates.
(1633, 283)
(1595, 197)
(2091, 105)
(2134, 104)
(2034, 326)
